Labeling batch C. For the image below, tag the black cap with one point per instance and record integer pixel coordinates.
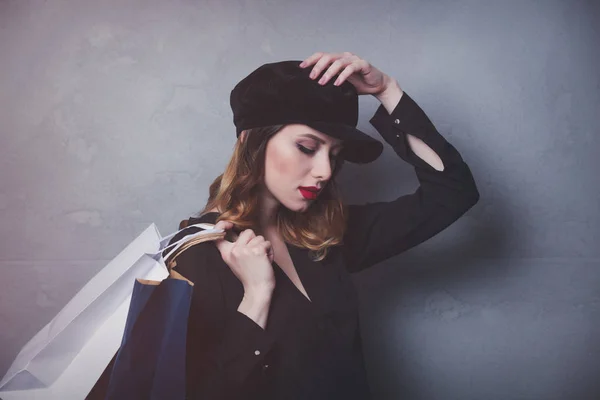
(284, 93)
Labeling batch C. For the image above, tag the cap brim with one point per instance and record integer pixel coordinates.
(359, 147)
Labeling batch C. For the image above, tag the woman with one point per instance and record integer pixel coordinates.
(274, 313)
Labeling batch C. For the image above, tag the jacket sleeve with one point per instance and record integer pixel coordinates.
(225, 349)
(380, 230)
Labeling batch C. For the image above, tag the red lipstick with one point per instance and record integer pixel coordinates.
(309, 192)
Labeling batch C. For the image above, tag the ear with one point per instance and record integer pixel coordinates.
(243, 135)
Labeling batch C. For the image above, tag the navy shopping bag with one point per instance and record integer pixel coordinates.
(150, 363)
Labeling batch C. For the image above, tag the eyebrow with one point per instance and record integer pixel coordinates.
(318, 139)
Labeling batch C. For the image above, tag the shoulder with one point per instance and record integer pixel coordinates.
(207, 218)
(197, 262)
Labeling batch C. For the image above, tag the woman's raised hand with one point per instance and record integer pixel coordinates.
(365, 77)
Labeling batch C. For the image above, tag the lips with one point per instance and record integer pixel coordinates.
(309, 193)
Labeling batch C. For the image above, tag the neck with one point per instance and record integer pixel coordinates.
(268, 206)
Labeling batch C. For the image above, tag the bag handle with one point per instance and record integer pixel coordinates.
(208, 233)
(164, 242)
(185, 244)
(206, 228)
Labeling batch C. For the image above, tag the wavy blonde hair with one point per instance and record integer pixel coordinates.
(235, 192)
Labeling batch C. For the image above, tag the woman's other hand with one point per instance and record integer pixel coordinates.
(249, 257)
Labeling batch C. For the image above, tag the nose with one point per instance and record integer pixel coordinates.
(322, 166)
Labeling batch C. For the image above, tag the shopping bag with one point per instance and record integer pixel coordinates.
(150, 363)
(66, 357)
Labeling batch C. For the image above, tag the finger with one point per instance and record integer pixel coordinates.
(349, 70)
(323, 62)
(223, 246)
(355, 66)
(246, 236)
(267, 245)
(335, 68)
(224, 225)
(316, 56)
(256, 240)
(311, 59)
(269, 250)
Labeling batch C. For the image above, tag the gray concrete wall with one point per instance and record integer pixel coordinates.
(115, 114)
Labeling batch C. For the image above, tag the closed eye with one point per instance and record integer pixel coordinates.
(306, 150)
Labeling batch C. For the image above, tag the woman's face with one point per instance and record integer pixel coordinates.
(299, 156)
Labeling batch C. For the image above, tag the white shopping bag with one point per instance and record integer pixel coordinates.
(65, 359)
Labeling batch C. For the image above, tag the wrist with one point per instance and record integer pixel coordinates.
(256, 305)
(258, 294)
(391, 87)
(391, 95)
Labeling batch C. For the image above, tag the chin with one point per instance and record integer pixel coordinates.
(297, 207)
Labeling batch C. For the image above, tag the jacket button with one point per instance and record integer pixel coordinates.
(396, 121)
(257, 352)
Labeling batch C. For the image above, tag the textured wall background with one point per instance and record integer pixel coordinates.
(115, 114)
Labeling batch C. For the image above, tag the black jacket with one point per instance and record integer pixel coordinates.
(312, 350)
